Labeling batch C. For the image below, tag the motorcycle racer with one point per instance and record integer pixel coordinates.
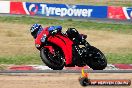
(41, 34)
(58, 49)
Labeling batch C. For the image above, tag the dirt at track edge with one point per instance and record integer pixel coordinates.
(57, 80)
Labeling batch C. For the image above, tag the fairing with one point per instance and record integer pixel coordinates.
(65, 44)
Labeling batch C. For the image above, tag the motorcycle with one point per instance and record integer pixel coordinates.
(60, 47)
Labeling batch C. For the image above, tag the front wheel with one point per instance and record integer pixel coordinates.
(96, 59)
(54, 62)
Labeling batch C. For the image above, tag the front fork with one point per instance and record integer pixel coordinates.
(81, 54)
(84, 51)
(86, 44)
(50, 48)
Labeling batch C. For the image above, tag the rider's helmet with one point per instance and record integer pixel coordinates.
(72, 33)
(35, 29)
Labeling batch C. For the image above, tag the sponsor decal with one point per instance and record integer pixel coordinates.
(127, 12)
(117, 12)
(17, 8)
(33, 9)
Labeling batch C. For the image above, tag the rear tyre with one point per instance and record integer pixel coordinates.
(53, 62)
(96, 59)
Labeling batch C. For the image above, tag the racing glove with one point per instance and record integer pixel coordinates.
(43, 39)
(54, 29)
(37, 46)
(53, 32)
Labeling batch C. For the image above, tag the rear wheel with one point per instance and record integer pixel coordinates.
(96, 59)
(55, 62)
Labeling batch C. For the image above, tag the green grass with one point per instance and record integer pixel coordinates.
(35, 59)
(86, 2)
(119, 58)
(116, 27)
(21, 59)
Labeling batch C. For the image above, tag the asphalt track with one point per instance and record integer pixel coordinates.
(66, 71)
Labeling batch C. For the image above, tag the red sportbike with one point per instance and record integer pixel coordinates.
(59, 49)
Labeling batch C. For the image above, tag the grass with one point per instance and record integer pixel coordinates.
(86, 2)
(119, 58)
(11, 34)
(123, 28)
(21, 59)
(87, 25)
(3, 67)
(35, 59)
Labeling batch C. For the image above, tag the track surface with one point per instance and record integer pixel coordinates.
(56, 80)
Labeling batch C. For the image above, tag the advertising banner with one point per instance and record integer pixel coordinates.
(122, 13)
(127, 12)
(4, 6)
(62, 10)
(66, 10)
(17, 8)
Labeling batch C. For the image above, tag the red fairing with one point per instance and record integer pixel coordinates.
(65, 44)
(38, 39)
(51, 49)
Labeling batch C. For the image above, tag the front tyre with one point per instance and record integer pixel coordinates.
(53, 62)
(96, 59)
